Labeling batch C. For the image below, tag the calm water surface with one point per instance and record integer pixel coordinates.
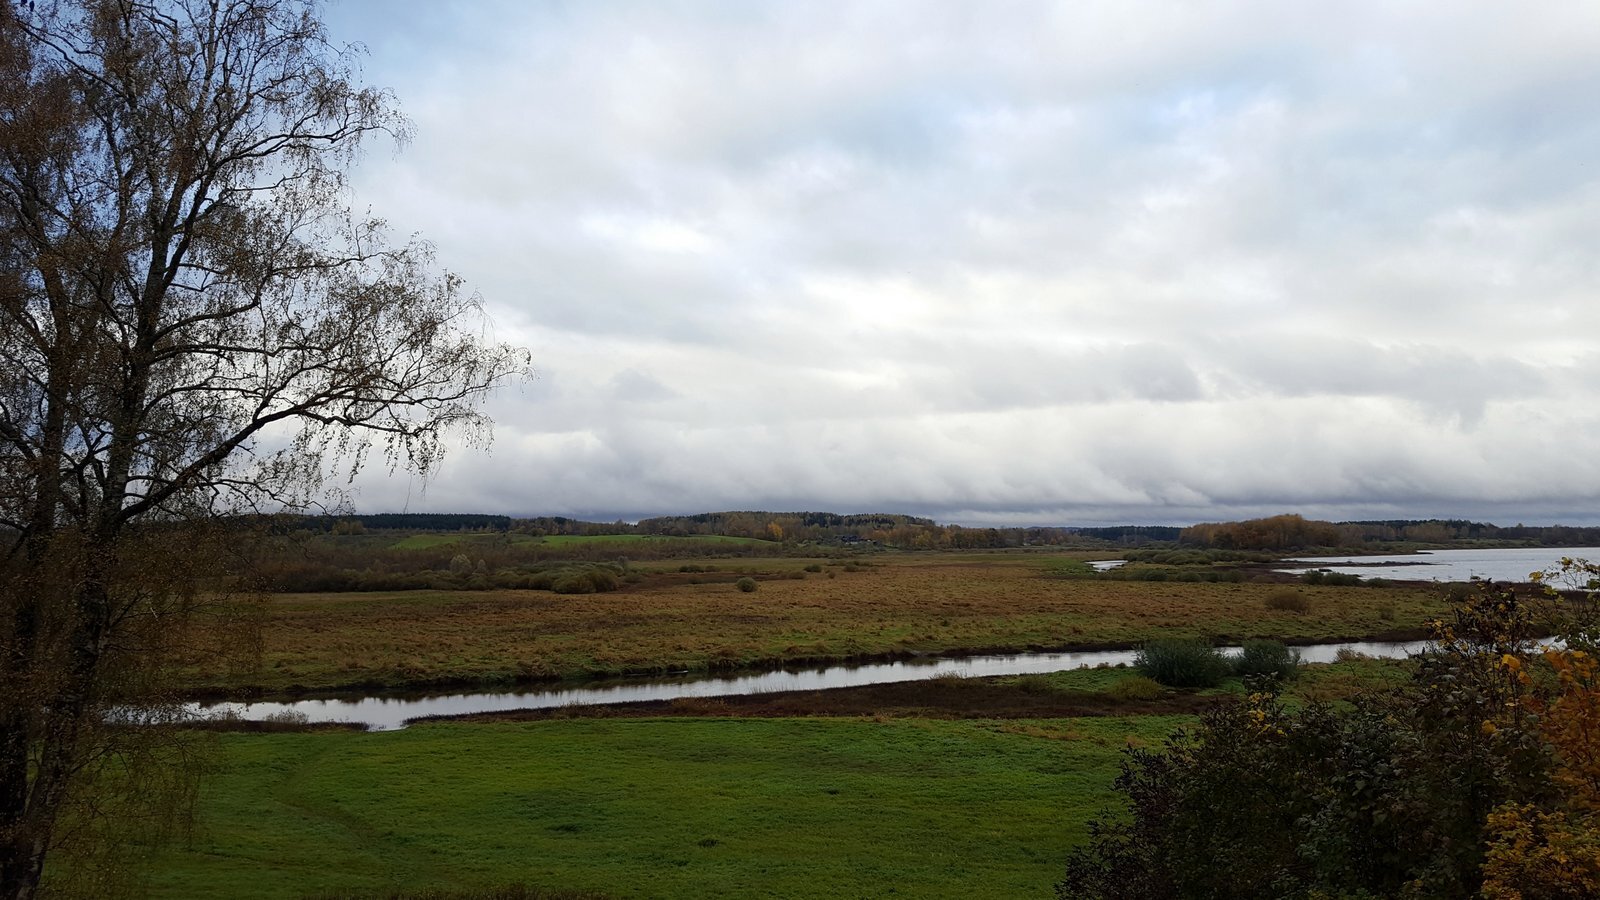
(1452, 565)
(388, 713)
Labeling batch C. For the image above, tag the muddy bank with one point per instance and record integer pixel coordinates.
(937, 698)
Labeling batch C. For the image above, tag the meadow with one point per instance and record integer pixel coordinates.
(963, 792)
(698, 620)
(948, 787)
(800, 807)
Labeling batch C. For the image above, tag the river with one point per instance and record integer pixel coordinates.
(385, 713)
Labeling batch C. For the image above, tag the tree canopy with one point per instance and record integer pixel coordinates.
(192, 322)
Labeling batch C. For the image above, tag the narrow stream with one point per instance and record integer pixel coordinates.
(385, 713)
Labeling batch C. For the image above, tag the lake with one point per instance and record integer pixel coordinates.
(1512, 564)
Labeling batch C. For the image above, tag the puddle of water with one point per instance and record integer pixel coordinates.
(388, 713)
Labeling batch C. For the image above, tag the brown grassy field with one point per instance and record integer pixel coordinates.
(900, 604)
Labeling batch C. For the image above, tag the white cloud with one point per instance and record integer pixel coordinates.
(1039, 262)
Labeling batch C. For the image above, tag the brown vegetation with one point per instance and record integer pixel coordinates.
(897, 607)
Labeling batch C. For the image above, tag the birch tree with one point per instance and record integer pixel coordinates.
(192, 322)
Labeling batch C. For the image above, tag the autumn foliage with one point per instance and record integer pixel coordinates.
(1480, 777)
(1555, 852)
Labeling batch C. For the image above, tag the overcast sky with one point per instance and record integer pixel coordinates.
(1024, 263)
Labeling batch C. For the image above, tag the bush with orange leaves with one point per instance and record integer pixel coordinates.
(1554, 852)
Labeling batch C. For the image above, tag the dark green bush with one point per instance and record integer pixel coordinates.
(1182, 663)
(746, 584)
(1267, 659)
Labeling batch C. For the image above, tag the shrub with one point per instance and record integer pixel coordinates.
(579, 580)
(573, 583)
(602, 579)
(1288, 601)
(1182, 663)
(1267, 659)
(746, 584)
(1135, 687)
(1445, 787)
(814, 567)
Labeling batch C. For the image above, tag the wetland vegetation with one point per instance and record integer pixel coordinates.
(945, 786)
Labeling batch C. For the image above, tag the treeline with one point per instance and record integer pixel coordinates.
(1131, 535)
(882, 529)
(1287, 532)
(1448, 530)
(1293, 532)
(780, 526)
(901, 532)
(348, 524)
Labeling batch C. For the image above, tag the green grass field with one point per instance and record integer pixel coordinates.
(656, 808)
(429, 540)
(579, 540)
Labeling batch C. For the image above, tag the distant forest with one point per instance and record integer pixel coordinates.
(1285, 532)
(1291, 532)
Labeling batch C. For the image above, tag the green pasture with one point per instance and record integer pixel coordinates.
(656, 808)
(579, 540)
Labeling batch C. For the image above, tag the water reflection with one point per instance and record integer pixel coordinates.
(1500, 564)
